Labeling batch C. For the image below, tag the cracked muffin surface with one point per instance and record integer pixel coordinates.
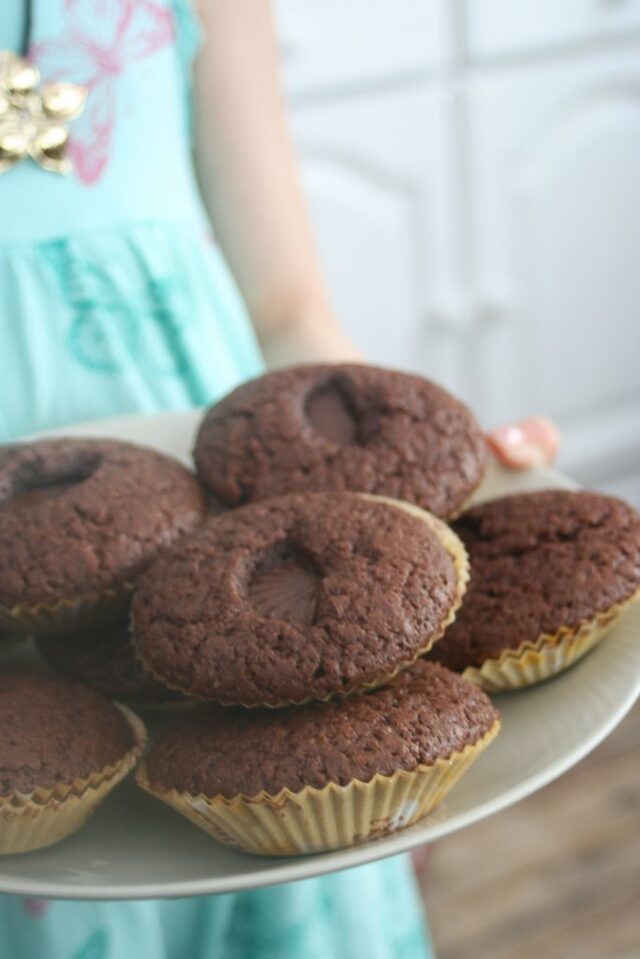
(55, 731)
(341, 427)
(82, 516)
(426, 713)
(294, 598)
(539, 562)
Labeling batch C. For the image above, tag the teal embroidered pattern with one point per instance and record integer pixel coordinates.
(96, 947)
(410, 943)
(258, 931)
(107, 331)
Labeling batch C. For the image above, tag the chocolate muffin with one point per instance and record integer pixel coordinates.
(79, 520)
(104, 658)
(64, 747)
(550, 572)
(298, 598)
(345, 427)
(325, 774)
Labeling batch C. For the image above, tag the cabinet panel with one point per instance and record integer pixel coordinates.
(364, 229)
(554, 155)
(494, 27)
(329, 44)
(377, 176)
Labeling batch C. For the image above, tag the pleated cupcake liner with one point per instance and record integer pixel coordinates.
(45, 816)
(67, 615)
(454, 547)
(548, 655)
(317, 820)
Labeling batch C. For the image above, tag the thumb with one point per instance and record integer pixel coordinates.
(527, 443)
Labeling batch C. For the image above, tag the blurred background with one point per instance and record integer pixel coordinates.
(473, 169)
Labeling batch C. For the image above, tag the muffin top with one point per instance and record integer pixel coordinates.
(80, 516)
(55, 731)
(345, 427)
(295, 598)
(424, 714)
(539, 561)
(104, 658)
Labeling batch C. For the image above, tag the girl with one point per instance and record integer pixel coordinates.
(115, 299)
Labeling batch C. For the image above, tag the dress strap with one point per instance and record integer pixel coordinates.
(189, 35)
(189, 32)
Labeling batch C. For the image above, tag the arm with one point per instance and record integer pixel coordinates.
(248, 177)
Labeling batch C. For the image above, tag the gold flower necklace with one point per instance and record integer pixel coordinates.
(33, 117)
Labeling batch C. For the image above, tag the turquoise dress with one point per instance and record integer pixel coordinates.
(114, 298)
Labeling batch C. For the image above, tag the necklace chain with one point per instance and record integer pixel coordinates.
(27, 24)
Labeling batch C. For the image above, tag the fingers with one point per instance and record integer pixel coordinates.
(527, 443)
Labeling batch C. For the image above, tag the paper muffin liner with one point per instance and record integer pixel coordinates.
(550, 654)
(454, 547)
(317, 820)
(67, 615)
(45, 816)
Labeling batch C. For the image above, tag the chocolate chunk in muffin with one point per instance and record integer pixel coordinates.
(344, 427)
(297, 598)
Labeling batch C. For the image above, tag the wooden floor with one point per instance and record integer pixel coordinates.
(556, 876)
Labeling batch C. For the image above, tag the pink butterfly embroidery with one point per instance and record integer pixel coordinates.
(35, 907)
(102, 39)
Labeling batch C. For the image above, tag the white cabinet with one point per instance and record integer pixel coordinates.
(331, 44)
(478, 212)
(554, 155)
(501, 27)
(378, 177)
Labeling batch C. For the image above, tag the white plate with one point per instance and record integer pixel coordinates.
(135, 847)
